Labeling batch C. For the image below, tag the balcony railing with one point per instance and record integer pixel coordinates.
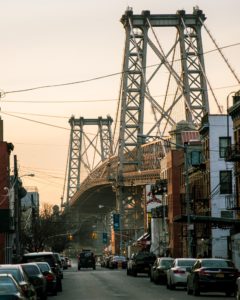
(231, 202)
(233, 153)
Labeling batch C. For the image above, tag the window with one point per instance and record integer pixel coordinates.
(225, 182)
(224, 142)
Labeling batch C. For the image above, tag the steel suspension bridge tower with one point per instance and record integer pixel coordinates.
(191, 83)
(81, 143)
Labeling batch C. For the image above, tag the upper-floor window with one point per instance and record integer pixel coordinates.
(224, 142)
(225, 182)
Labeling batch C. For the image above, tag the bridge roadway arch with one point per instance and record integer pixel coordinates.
(99, 188)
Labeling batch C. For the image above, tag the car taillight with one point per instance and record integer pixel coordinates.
(50, 277)
(179, 271)
(203, 272)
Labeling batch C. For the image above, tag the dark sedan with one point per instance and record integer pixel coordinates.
(22, 279)
(212, 275)
(10, 289)
(159, 268)
(37, 279)
(50, 277)
(118, 262)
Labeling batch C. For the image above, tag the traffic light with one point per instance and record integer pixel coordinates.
(116, 222)
(70, 237)
(94, 235)
(104, 238)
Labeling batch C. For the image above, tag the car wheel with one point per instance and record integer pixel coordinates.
(54, 293)
(171, 286)
(59, 285)
(134, 273)
(44, 296)
(167, 285)
(229, 294)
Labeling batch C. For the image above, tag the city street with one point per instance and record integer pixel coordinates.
(105, 284)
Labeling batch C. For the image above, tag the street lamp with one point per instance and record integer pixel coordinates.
(187, 199)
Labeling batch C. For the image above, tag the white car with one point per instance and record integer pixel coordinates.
(177, 274)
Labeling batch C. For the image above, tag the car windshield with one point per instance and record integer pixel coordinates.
(85, 254)
(7, 286)
(119, 258)
(31, 270)
(15, 273)
(186, 263)
(44, 267)
(141, 255)
(215, 263)
(166, 263)
(39, 258)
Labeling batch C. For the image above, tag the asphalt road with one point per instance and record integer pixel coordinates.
(105, 284)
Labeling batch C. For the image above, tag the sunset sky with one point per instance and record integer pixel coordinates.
(62, 41)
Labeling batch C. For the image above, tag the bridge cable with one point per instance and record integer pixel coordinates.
(168, 66)
(118, 109)
(66, 172)
(202, 69)
(220, 51)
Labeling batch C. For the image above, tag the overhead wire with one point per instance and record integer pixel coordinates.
(2, 93)
(34, 121)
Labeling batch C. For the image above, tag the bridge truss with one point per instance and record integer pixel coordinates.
(82, 143)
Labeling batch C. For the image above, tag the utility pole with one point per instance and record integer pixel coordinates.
(17, 211)
(189, 229)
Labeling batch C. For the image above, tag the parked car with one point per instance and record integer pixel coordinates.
(22, 279)
(177, 274)
(59, 262)
(158, 273)
(50, 277)
(86, 259)
(10, 289)
(48, 257)
(212, 275)
(118, 261)
(37, 279)
(140, 263)
(64, 262)
(69, 262)
(105, 261)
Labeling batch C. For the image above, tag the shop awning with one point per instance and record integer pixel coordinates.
(144, 237)
(216, 221)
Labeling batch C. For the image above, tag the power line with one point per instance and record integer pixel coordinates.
(96, 100)
(96, 78)
(34, 121)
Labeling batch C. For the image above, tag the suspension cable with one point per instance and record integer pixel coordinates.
(115, 146)
(220, 51)
(66, 171)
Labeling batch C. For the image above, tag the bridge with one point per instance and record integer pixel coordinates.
(126, 158)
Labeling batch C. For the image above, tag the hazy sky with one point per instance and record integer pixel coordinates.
(60, 41)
